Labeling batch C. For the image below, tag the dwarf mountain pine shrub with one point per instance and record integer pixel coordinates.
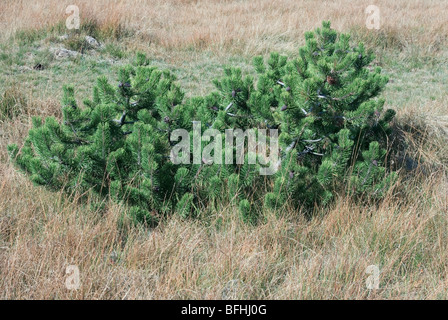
(332, 127)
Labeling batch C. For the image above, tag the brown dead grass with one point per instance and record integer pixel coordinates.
(251, 27)
(281, 259)
(286, 257)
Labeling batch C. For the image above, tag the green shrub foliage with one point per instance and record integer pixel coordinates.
(332, 127)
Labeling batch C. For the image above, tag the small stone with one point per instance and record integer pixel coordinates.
(284, 107)
(92, 42)
(24, 68)
(65, 53)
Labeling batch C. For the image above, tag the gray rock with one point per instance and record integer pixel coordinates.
(65, 53)
(93, 42)
(63, 37)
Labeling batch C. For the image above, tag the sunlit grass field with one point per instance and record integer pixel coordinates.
(286, 256)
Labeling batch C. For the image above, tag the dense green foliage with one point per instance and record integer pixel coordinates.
(333, 134)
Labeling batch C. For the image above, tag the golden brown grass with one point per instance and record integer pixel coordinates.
(254, 26)
(285, 257)
(325, 258)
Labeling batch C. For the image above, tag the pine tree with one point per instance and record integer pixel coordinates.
(117, 144)
(333, 134)
(329, 118)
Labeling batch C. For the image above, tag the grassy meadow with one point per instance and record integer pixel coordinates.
(287, 256)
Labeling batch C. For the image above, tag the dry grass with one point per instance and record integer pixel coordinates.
(251, 27)
(325, 258)
(285, 257)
